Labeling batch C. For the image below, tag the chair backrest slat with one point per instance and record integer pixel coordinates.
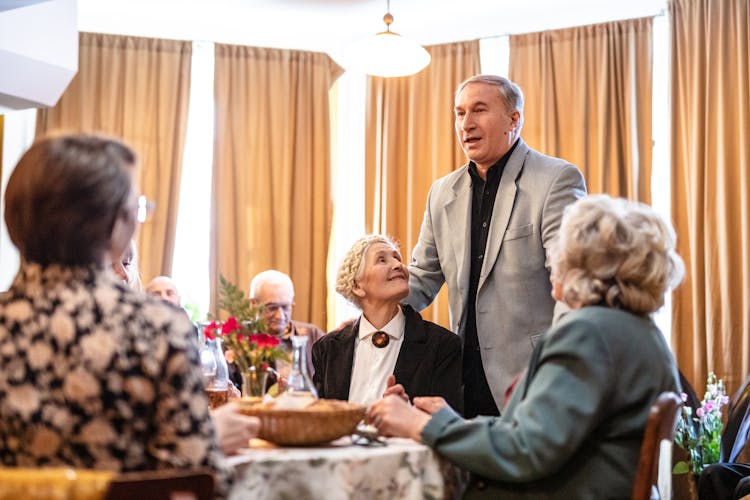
(660, 426)
(171, 484)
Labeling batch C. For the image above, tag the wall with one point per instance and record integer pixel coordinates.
(17, 136)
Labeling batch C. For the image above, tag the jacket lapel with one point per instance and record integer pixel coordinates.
(412, 347)
(458, 213)
(341, 360)
(504, 200)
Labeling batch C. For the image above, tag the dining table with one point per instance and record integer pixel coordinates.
(348, 468)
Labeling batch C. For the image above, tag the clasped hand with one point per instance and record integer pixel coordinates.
(394, 416)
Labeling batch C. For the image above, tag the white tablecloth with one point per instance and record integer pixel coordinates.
(403, 469)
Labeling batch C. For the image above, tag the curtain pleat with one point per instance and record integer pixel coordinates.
(410, 142)
(2, 125)
(710, 151)
(136, 89)
(271, 201)
(588, 100)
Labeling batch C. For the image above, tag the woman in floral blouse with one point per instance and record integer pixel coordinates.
(93, 375)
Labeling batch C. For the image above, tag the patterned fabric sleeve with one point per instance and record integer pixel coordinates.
(97, 376)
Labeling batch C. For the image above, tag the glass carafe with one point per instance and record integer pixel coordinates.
(299, 384)
(215, 373)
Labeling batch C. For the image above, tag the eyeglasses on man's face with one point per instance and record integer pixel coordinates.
(274, 307)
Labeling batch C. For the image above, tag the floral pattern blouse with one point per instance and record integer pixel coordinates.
(94, 375)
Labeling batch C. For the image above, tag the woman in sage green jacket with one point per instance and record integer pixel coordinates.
(574, 423)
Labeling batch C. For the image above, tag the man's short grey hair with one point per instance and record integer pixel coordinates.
(511, 93)
(270, 276)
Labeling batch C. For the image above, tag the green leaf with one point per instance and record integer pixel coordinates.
(681, 467)
(193, 311)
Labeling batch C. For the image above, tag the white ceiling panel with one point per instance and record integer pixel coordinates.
(329, 25)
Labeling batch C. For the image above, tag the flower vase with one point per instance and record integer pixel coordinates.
(254, 382)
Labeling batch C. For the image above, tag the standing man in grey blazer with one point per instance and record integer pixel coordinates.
(486, 232)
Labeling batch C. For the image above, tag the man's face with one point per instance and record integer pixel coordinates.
(484, 126)
(165, 290)
(277, 301)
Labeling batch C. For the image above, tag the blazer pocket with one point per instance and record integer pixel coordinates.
(513, 233)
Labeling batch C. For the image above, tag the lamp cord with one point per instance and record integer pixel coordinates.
(388, 18)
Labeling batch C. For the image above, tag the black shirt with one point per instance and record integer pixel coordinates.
(478, 398)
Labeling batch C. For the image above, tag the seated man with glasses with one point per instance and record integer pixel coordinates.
(274, 291)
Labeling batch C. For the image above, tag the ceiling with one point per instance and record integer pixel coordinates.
(329, 25)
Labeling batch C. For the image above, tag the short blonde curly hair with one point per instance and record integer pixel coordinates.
(615, 253)
(353, 265)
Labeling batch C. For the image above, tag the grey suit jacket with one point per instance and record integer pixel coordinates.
(574, 424)
(514, 303)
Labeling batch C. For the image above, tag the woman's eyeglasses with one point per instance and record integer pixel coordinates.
(145, 208)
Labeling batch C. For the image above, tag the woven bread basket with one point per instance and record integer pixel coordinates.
(321, 422)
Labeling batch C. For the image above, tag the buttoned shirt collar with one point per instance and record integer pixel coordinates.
(372, 365)
(394, 328)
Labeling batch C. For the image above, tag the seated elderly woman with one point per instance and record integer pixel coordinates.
(574, 423)
(95, 375)
(388, 339)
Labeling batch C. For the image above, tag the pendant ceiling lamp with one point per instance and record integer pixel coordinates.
(388, 54)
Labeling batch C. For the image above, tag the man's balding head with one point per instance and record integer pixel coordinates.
(164, 288)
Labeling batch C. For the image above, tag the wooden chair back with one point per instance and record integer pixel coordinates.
(655, 461)
(168, 484)
(49, 483)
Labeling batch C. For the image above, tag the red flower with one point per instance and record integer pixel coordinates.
(210, 330)
(264, 340)
(230, 325)
(269, 340)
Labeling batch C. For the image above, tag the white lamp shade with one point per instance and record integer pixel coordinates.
(387, 54)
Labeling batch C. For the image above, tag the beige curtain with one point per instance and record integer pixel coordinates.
(588, 100)
(271, 203)
(710, 150)
(136, 89)
(2, 124)
(410, 142)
